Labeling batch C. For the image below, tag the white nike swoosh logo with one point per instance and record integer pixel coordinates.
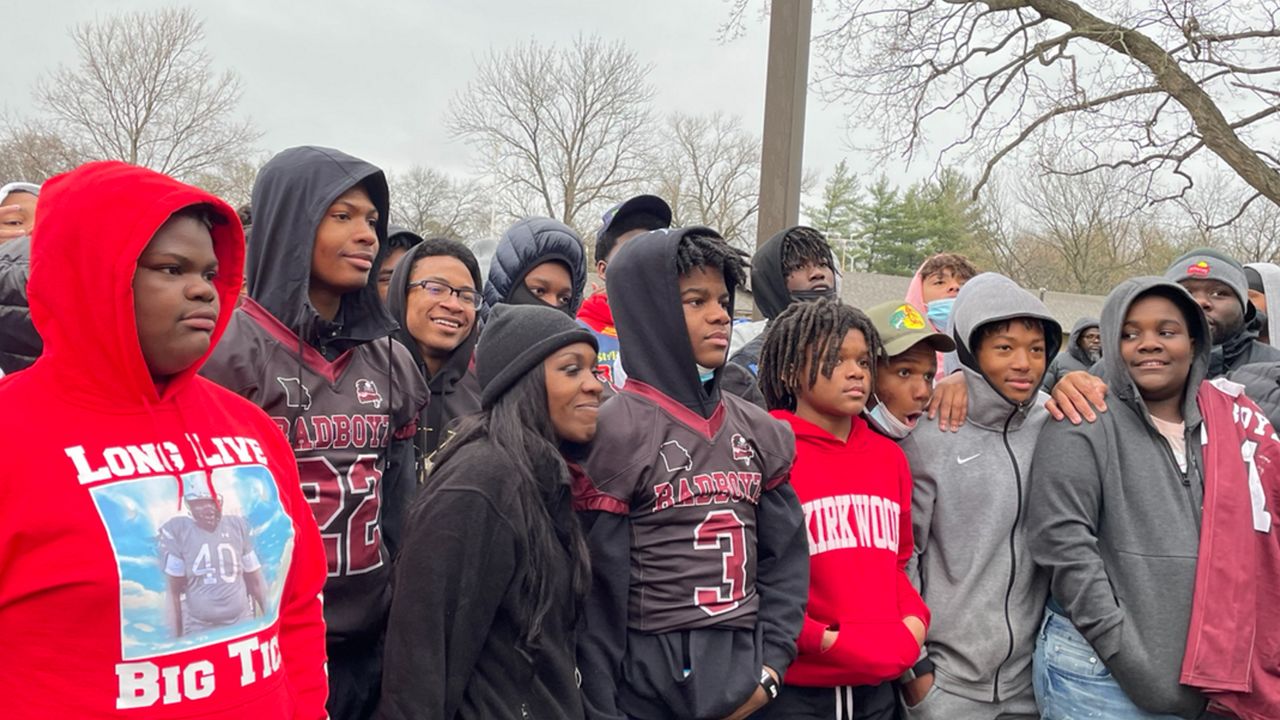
(965, 460)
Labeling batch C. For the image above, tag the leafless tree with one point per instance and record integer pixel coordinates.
(31, 153)
(232, 180)
(430, 203)
(711, 174)
(1079, 234)
(563, 129)
(144, 91)
(1254, 236)
(1129, 85)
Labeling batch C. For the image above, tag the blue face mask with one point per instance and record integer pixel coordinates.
(705, 374)
(939, 312)
(888, 423)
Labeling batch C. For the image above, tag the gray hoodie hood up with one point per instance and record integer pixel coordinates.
(1270, 274)
(1073, 356)
(968, 510)
(1116, 523)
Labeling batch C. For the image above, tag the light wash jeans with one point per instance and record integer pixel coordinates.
(1072, 683)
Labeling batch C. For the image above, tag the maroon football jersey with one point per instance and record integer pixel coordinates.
(690, 487)
(340, 417)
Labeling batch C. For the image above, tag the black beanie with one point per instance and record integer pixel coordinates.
(517, 339)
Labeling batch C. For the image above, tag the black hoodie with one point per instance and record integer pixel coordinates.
(455, 391)
(772, 296)
(680, 476)
(346, 394)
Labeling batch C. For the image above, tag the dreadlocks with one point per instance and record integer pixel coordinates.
(805, 246)
(807, 337)
(709, 250)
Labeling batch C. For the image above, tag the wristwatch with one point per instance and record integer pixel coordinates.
(769, 684)
(924, 667)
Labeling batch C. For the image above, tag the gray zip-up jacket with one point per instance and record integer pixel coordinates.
(968, 509)
(1117, 524)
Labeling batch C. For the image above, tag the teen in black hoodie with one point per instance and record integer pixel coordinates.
(697, 539)
(311, 345)
(434, 293)
(494, 568)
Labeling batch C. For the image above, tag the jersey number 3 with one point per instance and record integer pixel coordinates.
(722, 530)
(346, 509)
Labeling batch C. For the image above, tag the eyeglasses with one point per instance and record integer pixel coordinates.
(441, 291)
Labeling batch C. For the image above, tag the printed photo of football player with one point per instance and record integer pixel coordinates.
(214, 576)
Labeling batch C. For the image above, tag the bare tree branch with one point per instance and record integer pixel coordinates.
(564, 129)
(1149, 88)
(145, 92)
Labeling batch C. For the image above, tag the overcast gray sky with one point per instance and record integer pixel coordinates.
(375, 78)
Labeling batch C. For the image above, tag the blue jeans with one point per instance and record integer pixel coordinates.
(1072, 683)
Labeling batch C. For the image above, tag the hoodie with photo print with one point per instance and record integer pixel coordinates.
(89, 581)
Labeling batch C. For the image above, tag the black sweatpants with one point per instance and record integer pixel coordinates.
(355, 679)
(860, 702)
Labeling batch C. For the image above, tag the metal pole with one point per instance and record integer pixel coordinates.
(782, 145)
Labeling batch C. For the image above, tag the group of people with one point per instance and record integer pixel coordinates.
(338, 472)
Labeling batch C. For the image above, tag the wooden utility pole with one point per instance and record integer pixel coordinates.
(782, 146)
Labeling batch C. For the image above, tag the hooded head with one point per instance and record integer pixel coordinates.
(653, 333)
(1264, 295)
(527, 245)
(1119, 371)
(443, 323)
(936, 284)
(796, 264)
(1077, 348)
(399, 241)
(81, 286)
(991, 299)
(291, 197)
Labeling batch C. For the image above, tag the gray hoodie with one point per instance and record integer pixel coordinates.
(1117, 524)
(972, 564)
(1073, 356)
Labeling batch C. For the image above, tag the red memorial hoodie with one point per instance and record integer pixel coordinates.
(157, 557)
(856, 497)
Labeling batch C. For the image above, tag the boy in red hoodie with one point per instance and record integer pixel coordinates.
(864, 623)
(157, 556)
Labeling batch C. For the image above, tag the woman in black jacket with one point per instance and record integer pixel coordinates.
(494, 567)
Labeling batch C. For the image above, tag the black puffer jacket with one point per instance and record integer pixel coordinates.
(20, 345)
(1261, 383)
(527, 244)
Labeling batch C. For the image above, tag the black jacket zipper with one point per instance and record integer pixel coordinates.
(1013, 556)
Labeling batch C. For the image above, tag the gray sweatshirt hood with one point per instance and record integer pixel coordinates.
(990, 298)
(1073, 340)
(1114, 310)
(1270, 274)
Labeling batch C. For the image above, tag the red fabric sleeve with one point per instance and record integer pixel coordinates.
(302, 631)
(909, 600)
(810, 642)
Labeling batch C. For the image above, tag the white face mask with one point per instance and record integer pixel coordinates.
(887, 422)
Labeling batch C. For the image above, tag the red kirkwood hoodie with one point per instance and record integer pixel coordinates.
(118, 598)
(856, 497)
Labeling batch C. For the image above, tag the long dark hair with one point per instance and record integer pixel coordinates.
(805, 340)
(519, 424)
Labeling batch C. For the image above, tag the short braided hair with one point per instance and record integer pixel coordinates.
(807, 337)
(805, 246)
(711, 251)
